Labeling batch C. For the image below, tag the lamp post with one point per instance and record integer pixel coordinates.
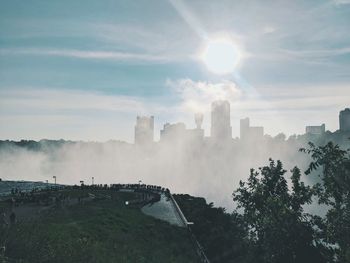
(54, 177)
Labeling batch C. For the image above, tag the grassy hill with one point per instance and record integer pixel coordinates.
(102, 230)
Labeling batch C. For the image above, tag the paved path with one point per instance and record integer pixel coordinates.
(164, 210)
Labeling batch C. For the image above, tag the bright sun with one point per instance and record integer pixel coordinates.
(221, 56)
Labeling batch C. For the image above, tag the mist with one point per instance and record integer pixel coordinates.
(209, 168)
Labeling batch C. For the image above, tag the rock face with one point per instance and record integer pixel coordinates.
(164, 210)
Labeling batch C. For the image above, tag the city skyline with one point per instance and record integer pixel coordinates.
(220, 128)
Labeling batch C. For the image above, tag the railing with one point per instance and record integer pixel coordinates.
(199, 249)
(182, 216)
(158, 189)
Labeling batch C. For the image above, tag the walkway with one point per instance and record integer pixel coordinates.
(164, 210)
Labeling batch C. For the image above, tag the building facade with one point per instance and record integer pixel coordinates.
(171, 132)
(248, 132)
(344, 120)
(221, 120)
(178, 132)
(316, 130)
(144, 130)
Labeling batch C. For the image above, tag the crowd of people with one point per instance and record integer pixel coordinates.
(53, 197)
(135, 187)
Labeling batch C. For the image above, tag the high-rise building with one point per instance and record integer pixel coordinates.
(316, 130)
(220, 120)
(344, 120)
(244, 128)
(177, 132)
(144, 130)
(173, 132)
(249, 132)
(198, 119)
(198, 132)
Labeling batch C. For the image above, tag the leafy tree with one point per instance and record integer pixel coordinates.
(279, 230)
(280, 137)
(333, 166)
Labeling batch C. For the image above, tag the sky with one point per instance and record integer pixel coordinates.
(83, 70)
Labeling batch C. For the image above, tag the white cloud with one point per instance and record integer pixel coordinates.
(37, 113)
(58, 100)
(290, 108)
(341, 2)
(268, 29)
(84, 54)
(285, 109)
(316, 53)
(197, 96)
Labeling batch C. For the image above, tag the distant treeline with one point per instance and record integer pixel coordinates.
(338, 137)
(44, 145)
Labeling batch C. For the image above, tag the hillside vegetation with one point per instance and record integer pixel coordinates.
(104, 230)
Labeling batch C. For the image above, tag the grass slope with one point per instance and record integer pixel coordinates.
(98, 231)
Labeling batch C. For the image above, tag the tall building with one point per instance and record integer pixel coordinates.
(316, 130)
(244, 128)
(177, 132)
(198, 132)
(344, 120)
(173, 132)
(198, 119)
(144, 130)
(249, 132)
(220, 120)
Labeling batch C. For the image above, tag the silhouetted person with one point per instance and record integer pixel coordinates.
(13, 202)
(13, 218)
(3, 219)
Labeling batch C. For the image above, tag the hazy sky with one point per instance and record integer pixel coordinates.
(85, 69)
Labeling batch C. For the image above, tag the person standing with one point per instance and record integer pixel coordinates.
(12, 218)
(3, 219)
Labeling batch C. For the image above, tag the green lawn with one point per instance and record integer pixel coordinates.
(97, 231)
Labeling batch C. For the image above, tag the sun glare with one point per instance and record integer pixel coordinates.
(221, 56)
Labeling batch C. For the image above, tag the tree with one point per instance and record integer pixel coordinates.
(280, 137)
(279, 230)
(333, 167)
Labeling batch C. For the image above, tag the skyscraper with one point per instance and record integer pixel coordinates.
(173, 132)
(220, 120)
(144, 130)
(316, 130)
(198, 118)
(249, 132)
(244, 128)
(344, 120)
(177, 132)
(198, 132)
